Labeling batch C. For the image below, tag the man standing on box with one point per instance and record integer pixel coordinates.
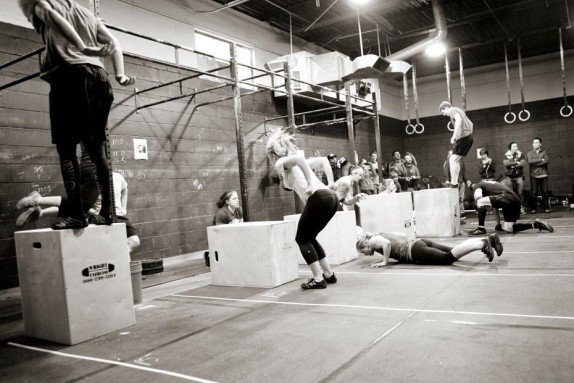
(80, 94)
(461, 140)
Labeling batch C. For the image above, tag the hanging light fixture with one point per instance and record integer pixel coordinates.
(436, 49)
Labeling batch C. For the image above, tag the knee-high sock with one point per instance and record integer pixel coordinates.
(481, 216)
(71, 175)
(521, 227)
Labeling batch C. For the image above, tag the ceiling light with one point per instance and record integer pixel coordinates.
(436, 49)
(359, 2)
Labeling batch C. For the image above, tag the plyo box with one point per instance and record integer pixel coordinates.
(338, 238)
(384, 213)
(76, 284)
(253, 254)
(437, 212)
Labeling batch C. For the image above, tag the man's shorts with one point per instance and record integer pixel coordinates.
(130, 230)
(80, 101)
(462, 145)
(509, 203)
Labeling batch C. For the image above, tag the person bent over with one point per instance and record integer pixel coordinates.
(491, 194)
(424, 251)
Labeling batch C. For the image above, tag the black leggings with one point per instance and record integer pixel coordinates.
(425, 252)
(320, 208)
(71, 176)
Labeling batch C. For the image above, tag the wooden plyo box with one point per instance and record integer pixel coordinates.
(338, 238)
(253, 254)
(437, 212)
(76, 284)
(384, 213)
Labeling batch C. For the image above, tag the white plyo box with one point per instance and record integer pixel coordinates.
(384, 213)
(338, 238)
(75, 284)
(253, 254)
(437, 212)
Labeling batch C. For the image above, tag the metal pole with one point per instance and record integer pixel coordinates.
(447, 73)
(291, 33)
(350, 126)
(378, 40)
(290, 105)
(378, 147)
(239, 133)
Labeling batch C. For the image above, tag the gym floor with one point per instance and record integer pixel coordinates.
(506, 321)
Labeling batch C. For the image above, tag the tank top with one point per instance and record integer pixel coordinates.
(58, 50)
(400, 247)
(294, 179)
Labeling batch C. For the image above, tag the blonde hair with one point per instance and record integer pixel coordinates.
(279, 141)
(363, 241)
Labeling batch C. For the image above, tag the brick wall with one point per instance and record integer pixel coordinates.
(491, 132)
(192, 153)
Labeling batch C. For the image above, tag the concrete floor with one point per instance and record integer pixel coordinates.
(511, 320)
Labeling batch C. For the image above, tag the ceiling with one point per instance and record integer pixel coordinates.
(480, 27)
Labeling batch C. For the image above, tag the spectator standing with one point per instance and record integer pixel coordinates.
(486, 166)
(538, 160)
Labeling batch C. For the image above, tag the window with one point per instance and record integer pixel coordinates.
(220, 48)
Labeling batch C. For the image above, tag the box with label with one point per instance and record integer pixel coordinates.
(338, 238)
(437, 212)
(75, 284)
(385, 213)
(253, 254)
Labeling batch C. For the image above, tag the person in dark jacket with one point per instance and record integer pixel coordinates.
(538, 161)
(514, 163)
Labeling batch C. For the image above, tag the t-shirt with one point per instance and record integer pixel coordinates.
(58, 50)
(224, 216)
(294, 179)
(400, 247)
(492, 188)
(467, 125)
(119, 184)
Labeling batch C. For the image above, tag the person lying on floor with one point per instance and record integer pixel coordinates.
(424, 251)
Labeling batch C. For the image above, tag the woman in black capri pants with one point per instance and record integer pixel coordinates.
(320, 202)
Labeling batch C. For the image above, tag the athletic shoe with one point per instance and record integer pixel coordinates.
(96, 219)
(313, 284)
(31, 200)
(487, 249)
(542, 225)
(495, 243)
(32, 214)
(331, 279)
(499, 228)
(547, 211)
(70, 223)
(478, 231)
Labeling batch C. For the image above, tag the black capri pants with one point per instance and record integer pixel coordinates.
(321, 207)
(426, 252)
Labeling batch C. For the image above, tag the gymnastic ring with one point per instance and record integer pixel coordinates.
(449, 126)
(527, 115)
(409, 131)
(422, 128)
(511, 119)
(568, 107)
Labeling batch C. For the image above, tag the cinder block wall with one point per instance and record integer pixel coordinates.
(491, 132)
(192, 153)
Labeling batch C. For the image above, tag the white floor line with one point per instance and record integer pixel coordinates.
(455, 274)
(389, 331)
(106, 361)
(538, 252)
(376, 308)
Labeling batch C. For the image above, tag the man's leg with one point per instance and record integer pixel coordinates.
(482, 206)
(544, 192)
(534, 191)
(71, 175)
(98, 156)
(454, 163)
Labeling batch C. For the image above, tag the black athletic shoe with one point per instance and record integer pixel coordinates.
(542, 225)
(478, 231)
(96, 219)
(499, 228)
(313, 284)
(487, 249)
(331, 279)
(495, 243)
(69, 223)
